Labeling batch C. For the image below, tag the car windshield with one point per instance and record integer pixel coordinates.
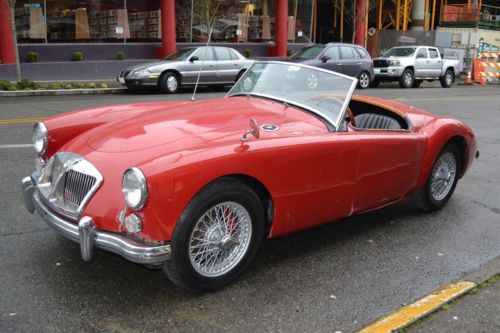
(180, 55)
(319, 91)
(400, 52)
(310, 52)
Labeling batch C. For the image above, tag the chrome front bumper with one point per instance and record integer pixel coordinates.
(89, 237)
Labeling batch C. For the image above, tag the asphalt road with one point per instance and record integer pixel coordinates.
(339, 277)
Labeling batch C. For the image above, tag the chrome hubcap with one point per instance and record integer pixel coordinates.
(364, 80)
(443, 176)
(448, 79)
(408, 79)
(172, 83)
(312, 81)
(220, 239)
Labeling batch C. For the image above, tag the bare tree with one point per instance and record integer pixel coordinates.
(350, 12)
(11, 4)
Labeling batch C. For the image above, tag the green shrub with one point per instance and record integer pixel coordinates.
(79, 85)
(26, 84)
(77, 56)
(91, 85)
(68, 85)
(4, 84)
(43, 86)
(12, 87)
(32, 57)
(120, 55)
(247, 53)
(56, 86)
(104, 85)
(289, 52)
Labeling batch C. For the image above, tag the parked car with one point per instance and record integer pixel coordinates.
(195, 187)
(348, 59)
(221, 66)
(410, 65)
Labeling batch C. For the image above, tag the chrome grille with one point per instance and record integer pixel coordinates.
(68, 182)
(77, 186)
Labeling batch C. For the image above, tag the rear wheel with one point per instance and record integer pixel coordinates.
(169, 83)
(442, 180)
(406, 80)
(216, 237)
(447, 79)
(363, 80)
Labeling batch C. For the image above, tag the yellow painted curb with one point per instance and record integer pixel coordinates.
(20, 120)
(413, 312)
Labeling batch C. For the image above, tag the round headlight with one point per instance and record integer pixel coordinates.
(135, 188)
(40, 138)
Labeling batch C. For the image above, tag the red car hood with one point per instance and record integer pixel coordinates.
(199, 122)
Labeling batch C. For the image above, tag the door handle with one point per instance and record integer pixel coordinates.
(339, 64)
(358, 63)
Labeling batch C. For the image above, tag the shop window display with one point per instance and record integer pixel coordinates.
(79, 21)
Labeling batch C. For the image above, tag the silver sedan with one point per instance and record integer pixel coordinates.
(217, 66)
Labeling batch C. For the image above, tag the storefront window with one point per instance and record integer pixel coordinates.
(78, 21)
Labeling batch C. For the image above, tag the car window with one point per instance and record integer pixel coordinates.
(362, 53)
(204, 51)
(332, 52)
(233, 54)
(433, 53)
(422, 53)
(309, 52)
(222, 53)
(346, 52)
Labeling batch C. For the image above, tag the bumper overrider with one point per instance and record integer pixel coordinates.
(88, 236)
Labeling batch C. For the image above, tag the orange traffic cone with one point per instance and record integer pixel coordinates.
(468, 80)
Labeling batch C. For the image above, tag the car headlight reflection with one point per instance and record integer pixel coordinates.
(40, 138)
(135, 188)
(394, 63)
(141, 72)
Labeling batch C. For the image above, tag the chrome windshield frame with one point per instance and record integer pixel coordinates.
(334, 123)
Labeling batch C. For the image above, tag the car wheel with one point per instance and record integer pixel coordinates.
(416, 83)
(447, 79)
(169, 83)
(442, 180)
(375, 83)
(216, 237)
(240, 74)
(406, 80)
(363, 80)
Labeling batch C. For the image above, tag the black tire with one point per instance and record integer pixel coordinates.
(239, 75)
(416, 83)
(426, 199)
(182, 268)
(363, 80)
(375, 83)
(169, 83)
(406, 80)
(447, 79)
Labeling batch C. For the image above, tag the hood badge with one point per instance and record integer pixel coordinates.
(269, 127)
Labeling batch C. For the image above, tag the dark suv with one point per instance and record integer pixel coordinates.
(349, 59)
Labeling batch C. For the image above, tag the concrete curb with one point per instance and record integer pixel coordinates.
(97, 91)
(407, 315)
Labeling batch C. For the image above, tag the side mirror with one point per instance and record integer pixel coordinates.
(325, 58)
(193, 58)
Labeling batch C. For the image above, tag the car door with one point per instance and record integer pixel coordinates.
(330, 59)
(194, 65)
(422, 65)
(388, 165)
(435, 62)
(227, 67)
(350, 60)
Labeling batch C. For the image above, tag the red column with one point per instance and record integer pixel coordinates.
(361, 17)
(281, 27)
(7, 55)
(168, 38)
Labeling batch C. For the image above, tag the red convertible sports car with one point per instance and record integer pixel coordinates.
(194, 187)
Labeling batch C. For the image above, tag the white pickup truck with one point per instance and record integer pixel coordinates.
(410, 65)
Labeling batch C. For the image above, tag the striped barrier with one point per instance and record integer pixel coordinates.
(487, 67)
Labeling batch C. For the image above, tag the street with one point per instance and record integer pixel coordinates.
(339, 277)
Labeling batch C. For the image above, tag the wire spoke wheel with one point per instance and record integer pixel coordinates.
(220, 239)
(443, 176)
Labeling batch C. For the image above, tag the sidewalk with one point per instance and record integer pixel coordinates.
(477, 311)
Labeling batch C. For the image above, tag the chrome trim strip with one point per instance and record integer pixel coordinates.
(89, 237)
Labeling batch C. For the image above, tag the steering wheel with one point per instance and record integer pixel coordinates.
(350, 115)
